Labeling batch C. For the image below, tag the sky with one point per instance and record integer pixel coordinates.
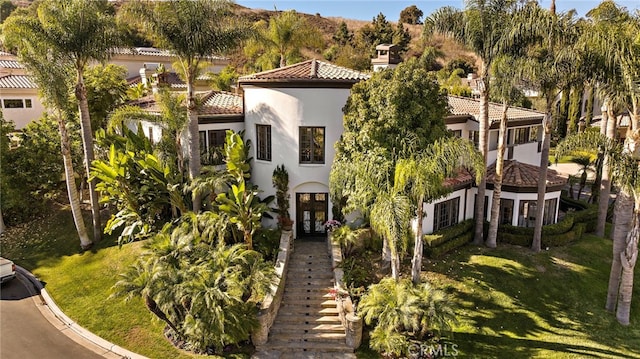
(367, 10)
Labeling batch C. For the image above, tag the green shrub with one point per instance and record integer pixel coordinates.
(447, 234)
(589, 217)
(267, 242)
(547, 240)
(435, 252)
(447, 239)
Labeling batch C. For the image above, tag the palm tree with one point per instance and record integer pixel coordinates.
(481, 28)
(282, 37)
(81, 32)
(423, 177)
(586, 163)
(401, 309)
(504, 68)
(55, 86)
(547, 34)
(193, 30)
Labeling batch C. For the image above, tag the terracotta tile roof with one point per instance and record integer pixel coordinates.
(463, 179)
(172, 80)
(11, 64)
(221, 102)
(468, 106)
(522, 175)
(310, 70)
(214, 103)
(152, 51)
(17, 82)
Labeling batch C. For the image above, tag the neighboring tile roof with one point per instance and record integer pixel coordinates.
(522, 175)
(213, 103)
(172, 79)
(17, 82)
(11, 64)
(310, 70)
(221, 102)
(152, 51)
(471, 107)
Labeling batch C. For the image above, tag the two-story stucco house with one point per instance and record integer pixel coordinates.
(293, 116)
(18, 93)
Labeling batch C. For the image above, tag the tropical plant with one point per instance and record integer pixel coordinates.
(548, 68)
(423, 176)
(137, 183)
(278, 41)
(401, 311)
(241, 204)
(79, 32)
(481, 26)
(503, 87)
(193, 31)
(280, 180)
(203, 289)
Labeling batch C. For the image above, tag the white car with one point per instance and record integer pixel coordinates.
(7, 270)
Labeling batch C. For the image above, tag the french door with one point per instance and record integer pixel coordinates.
(311, 214)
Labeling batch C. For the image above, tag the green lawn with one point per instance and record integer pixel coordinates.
(511, 303)
(80, 283)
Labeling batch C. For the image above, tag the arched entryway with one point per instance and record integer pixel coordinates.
(311, 214)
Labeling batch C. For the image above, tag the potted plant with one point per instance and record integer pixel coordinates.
(280, 180)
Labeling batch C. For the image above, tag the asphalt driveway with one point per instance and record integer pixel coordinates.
(24, 330)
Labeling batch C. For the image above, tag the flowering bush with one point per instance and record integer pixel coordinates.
(332, 224)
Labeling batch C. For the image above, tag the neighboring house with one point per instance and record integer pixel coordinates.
(18, 93)
(133, 59)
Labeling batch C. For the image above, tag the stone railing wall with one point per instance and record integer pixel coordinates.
(271, 303)
(350, 320)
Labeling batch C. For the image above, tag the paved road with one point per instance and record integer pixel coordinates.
(24, 331)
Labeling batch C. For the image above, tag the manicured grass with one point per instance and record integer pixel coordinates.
(511, 302)
(80, 283)
(517, 304)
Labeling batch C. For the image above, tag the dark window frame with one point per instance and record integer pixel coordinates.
(310, 151)
(446, 213)
(263, 142)
(13, 103)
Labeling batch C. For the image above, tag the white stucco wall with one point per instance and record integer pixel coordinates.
(518, 197)
(466, 202)
(286, 109)
(22, 116)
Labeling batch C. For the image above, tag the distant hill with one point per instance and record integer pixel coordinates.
(328, 26)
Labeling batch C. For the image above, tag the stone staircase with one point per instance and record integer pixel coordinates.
(307, 325)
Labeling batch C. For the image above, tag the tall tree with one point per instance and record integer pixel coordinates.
(548, 34)
(283, 36)
(411, 15)
(423, 176)
(193, 30)
(80, 32)
(503, 87)
(481, 27)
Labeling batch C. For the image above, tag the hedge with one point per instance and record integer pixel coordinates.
(442, 241)
(570, 229)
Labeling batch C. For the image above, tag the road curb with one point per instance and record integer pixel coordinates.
(109, 348)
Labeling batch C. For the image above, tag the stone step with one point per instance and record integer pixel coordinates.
(296, 319)
(306, 328)
(324, 292)
(303, 295)
(309, 303)
(337, 338)
(311, 346)
(300, 354)
(306, 312)
(307, 283)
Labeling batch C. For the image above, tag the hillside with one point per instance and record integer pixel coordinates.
(328, 25)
